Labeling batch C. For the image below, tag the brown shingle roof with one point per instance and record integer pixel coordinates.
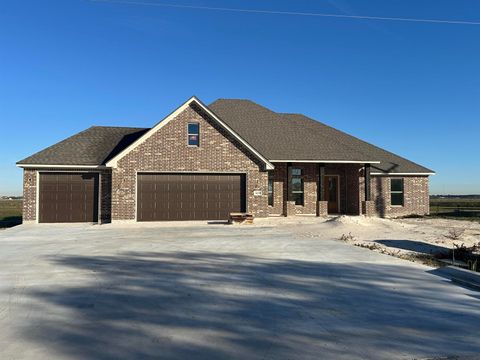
(93, 146)
(280, 136)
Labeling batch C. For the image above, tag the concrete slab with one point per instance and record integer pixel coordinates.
(197, 291)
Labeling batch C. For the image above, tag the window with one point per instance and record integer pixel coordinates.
(296, 186)
(270, 188)
(396, 192)
(193, 134)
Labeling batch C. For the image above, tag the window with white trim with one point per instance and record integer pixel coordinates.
(193, 134)
(396, 192)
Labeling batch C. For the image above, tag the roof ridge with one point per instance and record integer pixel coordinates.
(243, 100)
(117, 127)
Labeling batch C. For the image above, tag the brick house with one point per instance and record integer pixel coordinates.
(203, 162)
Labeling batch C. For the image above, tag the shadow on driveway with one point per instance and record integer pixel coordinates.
(414, 245)
(205, 305)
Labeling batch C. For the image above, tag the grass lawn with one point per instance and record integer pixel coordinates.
(10, 213)
(461, 209)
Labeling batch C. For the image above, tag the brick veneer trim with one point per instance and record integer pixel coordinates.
(29, 206)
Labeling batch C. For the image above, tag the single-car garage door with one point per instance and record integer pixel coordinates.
(68, 197)
(189, 196)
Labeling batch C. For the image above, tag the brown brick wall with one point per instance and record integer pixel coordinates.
(105, 196)
(29, 195)
(416, 196)
(352, 191)
(348, 186)
(309, 175)
(167, 150)
(279, 183)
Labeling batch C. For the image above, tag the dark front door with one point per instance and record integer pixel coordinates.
(332, 194)
(189, 196)
(65, 197)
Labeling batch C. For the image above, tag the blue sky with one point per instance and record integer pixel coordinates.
(412, 88)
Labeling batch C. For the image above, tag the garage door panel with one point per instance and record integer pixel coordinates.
(67, 197)
(189, 196)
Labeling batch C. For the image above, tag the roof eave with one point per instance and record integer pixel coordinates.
(403, 173)
(62, 166)
(329, 161)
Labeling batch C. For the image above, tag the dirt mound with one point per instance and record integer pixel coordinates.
(353, 220)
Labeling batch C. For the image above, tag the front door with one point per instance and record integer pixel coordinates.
(332, 194)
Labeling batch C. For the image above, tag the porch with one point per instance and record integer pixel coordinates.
(319, 189)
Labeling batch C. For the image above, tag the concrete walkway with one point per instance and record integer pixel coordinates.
(195, 291)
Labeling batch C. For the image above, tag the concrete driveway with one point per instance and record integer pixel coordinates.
(194, 291)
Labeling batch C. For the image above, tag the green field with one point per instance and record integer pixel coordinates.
(10, 213)
(461, 208)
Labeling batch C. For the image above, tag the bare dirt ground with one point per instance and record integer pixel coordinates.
(396, 237)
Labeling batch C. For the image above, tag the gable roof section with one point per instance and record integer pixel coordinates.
(290, 137)
(92, 147)
(113, 161)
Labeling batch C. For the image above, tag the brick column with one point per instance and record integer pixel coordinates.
(368, 208)
(322, 205)
(368, 192)
(290, 209)
(322, 208)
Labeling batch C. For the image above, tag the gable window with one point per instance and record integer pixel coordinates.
(296, 186)
(396, 192)
(270, 188)
(193, 136)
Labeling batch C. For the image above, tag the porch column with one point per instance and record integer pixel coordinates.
(100, 195)
(367, 182)
(322, 204)
(288, 206)
(368, 206)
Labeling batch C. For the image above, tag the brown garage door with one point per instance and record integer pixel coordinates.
(68, 197)
(189, 196)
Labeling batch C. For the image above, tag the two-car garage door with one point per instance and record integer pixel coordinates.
(189, 196)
